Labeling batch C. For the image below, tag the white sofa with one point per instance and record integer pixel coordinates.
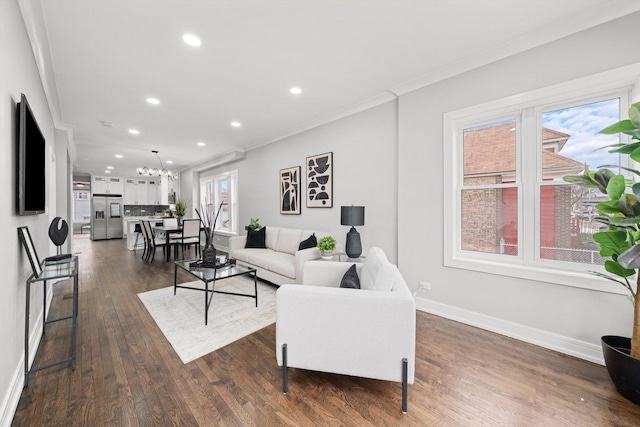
(368, 332)
(281, 262)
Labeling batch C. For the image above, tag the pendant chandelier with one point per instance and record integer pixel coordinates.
(171, 176)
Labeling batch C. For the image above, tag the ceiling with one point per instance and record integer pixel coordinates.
(108, 56)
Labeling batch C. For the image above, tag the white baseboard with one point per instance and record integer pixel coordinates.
(12, 396)
(562, 344)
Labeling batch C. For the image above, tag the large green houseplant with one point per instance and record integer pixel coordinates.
(181, 207)
(621, 244)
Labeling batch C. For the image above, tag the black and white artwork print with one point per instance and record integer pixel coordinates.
(320, 181)
(290, 191)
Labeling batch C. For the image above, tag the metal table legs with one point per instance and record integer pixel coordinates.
(74, 329)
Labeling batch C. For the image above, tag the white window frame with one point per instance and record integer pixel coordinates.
(232, 177)
(527, 110)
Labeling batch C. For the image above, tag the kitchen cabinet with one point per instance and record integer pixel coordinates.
(141, 191)
(106, 185)
(153, 192)
(135, 192)
(130, 194)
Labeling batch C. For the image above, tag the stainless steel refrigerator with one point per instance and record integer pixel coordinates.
(106, 217)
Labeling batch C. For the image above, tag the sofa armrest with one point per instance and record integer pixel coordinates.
(301, 257)
(346, 331)
(236, 242)
(326, 273)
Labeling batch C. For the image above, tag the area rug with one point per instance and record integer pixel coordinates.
(181, 317)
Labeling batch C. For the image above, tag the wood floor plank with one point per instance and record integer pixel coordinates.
(128, 373)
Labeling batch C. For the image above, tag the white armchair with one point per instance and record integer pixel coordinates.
(361, 332)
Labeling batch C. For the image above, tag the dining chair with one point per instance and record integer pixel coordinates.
(154, 241)
(170, 222)
(145, 240)
(190, 235)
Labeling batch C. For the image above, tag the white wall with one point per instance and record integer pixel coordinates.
(364, 147)
(565, 318)
(18, 74)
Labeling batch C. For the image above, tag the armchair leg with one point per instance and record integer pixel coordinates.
(285, 379)
(405, 364)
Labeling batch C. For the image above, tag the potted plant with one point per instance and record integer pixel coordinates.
(620, 243)
(327, 245)
(253, 225)
(181, 208)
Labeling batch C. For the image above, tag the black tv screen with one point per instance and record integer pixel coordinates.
(31, 163)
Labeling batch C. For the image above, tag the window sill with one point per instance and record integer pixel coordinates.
(225, 233)
(554, 276)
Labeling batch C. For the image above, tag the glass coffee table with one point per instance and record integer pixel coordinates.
(211, 275)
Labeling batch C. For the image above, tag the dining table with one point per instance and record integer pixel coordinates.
(168, 230)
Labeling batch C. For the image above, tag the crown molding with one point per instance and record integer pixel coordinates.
(218, 160)
(33, 18)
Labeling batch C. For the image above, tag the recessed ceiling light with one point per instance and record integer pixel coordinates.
(153, 101)
(295, 90)
(191, 40)
(109, 167)
(201, 144)
(236, 124)
(169, 161)
(119, 156)
(107, 171)
(134, 131)
(107, 124)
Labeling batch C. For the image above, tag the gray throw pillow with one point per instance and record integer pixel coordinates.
(350, 278)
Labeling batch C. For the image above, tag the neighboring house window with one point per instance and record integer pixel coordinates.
(218, 189)
(503, 180)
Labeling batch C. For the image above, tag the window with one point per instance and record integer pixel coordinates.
(217, 190)
(504, 164)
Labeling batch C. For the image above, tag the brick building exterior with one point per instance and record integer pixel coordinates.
(490, 215)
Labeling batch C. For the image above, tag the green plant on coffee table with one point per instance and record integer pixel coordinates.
(253, 225)
(327, 244)
(621, 213)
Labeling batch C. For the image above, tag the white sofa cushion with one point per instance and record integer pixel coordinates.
(378, 274)
(271, 237)
(261, 258)
(288, 240)
(283, 263)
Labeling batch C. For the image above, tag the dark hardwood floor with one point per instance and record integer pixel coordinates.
(128, 374)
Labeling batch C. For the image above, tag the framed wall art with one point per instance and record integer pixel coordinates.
(30, 249)
(290, 191)
(320, 181)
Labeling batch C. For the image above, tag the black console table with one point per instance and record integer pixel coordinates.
(52, 270)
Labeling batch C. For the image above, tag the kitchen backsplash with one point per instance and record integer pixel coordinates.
(144, 210)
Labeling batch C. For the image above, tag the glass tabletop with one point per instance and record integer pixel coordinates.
(210, 274)
(57, 269)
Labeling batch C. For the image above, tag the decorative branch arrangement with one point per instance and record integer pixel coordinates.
(207, 224)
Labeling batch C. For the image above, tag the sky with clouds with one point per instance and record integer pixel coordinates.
(583, 124)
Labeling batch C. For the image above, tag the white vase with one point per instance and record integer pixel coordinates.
(326, 255)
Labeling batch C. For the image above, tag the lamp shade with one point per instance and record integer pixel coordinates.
(352, 215)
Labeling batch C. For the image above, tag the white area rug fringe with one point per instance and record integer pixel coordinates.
(181, 317)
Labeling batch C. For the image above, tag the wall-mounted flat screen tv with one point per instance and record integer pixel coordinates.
(30, 195)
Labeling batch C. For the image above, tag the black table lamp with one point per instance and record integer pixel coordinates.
(352, 215)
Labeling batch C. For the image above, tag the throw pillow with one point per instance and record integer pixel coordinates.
(256, 238)
(311, 242)
(350, 278)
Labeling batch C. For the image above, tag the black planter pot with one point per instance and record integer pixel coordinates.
(624, 370)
